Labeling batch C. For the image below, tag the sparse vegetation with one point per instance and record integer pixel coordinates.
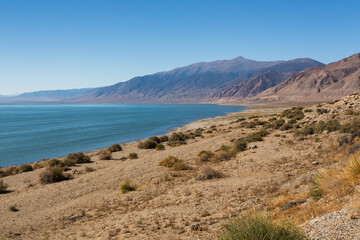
(159, 146)
(147, 144)
(258, 226)
(127, 186)
(114, 148)
(133, 155)
(105, 155)
(207, 173)
(78, 158)
(3, 186)
(25, 168)
(240, 144)
(174, 163)
(89, 169)
(205, 156)
(52, 175)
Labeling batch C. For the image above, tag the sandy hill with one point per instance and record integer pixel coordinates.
(332, 81)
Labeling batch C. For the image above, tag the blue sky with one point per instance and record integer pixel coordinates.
(59, 44)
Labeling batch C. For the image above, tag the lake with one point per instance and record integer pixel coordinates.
(29, 132)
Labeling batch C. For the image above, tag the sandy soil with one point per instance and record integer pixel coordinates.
(169, 204)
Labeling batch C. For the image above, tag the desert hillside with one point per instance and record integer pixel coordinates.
(329, 82)
(299, 164)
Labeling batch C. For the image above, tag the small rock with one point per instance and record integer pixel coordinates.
(195, 227)
(292, 204)
(254, 146)
(318, 147)
(326, 132)
(315, 163)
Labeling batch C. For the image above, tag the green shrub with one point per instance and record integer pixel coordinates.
(114, 148)
(105, 155)
(159, 146)
(259, 226)
(276, 124)
(164, 138)
(52, 175)
(78, 157)
(133, 156)
(205, 156)
(294, 113)
(155, 139)
(147, 144)
(254, 137)
(127, 186)
(178, 136)
(331, 125)
(3, 186)
(240, 144)
(55, 163)
(25, 168)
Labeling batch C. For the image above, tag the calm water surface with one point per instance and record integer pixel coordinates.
(30, 132)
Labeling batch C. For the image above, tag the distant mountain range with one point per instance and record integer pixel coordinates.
(221, 81)
(199, 82)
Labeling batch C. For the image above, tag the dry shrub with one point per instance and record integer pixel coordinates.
(57, 163)
(207, 173)
(53, 174)
(133, 156)
(114, 148)
(105, 155)
(223, 155)
(25, 168)
(147, 144)
(127, 186)
(174, 163)
(240, 144)
(78, 158)
(89, 169)
(205, 156)
(3, 186)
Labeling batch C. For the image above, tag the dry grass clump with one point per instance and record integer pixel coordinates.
(128, 186)
(133, 155)
(25, 168)
(89, 169)
(105, 155)
(174, 163)
(207, 173)
(257, 226)
(147, 144)
(58, 163)
(223, 155)
(114, 148)
(205, 156)
(52, 175)
(240, 144)
(3, 186)
(79, 157)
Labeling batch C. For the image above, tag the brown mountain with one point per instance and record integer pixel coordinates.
(250, 87)
(327, 82)
(201, 82)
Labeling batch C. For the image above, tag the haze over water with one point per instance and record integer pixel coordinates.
(30, 132)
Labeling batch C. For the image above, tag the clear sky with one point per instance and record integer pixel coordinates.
(60, 44)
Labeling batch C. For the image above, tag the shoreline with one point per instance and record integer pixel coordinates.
(174, 129)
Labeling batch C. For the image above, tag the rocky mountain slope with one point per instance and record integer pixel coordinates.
(332, 81)
(200, 82)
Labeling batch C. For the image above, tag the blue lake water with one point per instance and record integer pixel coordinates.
(30, 132)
